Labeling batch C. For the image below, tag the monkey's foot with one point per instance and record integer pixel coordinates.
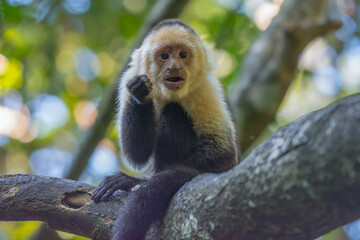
(112, 183)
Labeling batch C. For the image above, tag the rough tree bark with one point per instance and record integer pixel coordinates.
(64, 205)
(299, 184)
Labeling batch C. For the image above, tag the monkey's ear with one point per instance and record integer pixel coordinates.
(209, 60)
(135, 57)
(139, 59)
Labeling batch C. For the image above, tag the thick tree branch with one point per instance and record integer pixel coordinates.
(299, 184)
(270, 65)
(65, 205)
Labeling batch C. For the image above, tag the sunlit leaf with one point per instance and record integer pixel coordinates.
(12, 76)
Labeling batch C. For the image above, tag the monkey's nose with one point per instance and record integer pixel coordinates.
(174, 69)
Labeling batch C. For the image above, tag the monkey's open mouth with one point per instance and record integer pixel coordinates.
(174, 79)
(174, 83)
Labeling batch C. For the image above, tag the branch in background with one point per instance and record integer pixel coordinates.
(162, 10)
(299, 184)
(270, 65)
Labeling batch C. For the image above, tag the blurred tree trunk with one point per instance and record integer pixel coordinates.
(270, 66)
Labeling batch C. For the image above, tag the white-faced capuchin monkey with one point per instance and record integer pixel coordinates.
(174, 115)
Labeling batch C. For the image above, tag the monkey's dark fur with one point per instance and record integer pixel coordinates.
(169, 125)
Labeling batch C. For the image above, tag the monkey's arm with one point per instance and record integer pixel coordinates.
(214, 154)
(137, 135)
(137, 121)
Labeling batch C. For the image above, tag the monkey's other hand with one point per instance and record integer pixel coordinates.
(112, 183)
(139, 87)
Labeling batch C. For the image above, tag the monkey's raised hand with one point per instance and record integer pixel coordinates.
(139, 87)
(112, 183)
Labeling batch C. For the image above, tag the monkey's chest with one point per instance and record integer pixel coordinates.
(176, 137)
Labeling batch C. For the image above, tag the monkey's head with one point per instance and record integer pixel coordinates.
(174, 58)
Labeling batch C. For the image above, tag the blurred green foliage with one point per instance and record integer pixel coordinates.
(18, 230)
(57, 57)
(73, 51)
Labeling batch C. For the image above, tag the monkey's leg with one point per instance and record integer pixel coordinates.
(149, 203)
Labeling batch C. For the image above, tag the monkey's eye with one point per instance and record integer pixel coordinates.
(183, 54)
(164, 56)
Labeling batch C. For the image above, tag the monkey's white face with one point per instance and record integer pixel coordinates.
(172, 67)
(173, 61)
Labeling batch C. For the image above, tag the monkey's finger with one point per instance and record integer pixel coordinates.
(96, 197)
(126, 183)
(142, 92)
(139, 84)
(105, 185)
(97, 190)
(148, 84)
(134, 86)
(103, 193)
(107, 182)
(98, 194)
(133, 81)
(110, 192)
(102, 187)
(144, 78)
